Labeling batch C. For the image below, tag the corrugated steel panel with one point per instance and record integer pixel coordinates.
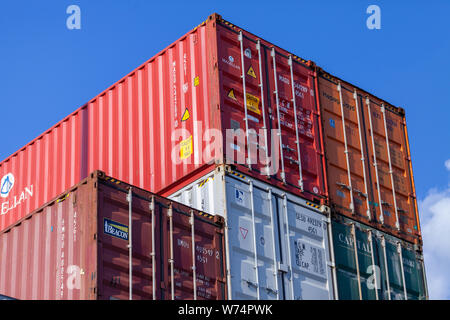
(150, 129)
(76, 247)
(125, 131)
(385, 267)
(278, 243)
(42, 170)
(368, 164)
(52, 253)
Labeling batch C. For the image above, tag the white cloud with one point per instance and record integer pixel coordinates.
(435, 221)
(447, 164)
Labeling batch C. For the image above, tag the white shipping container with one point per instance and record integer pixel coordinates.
(292, 259)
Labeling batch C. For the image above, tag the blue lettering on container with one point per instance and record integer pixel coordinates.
(239, 196)
(332, 123)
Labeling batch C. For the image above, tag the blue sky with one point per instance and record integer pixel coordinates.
(49, 71)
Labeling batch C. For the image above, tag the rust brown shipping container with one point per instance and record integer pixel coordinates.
(77, 247)
(368, 164)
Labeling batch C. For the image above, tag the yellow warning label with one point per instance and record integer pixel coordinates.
(253, 103)
(186, 115)
(186, 148)
(231, 95)
(251, 72)
(196, 81)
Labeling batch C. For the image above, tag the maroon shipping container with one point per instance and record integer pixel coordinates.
(167, 122)
(77, 247)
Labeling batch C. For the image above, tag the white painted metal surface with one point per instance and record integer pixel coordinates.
(278, 243)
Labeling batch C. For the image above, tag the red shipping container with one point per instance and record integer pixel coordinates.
(169, 121)
(76, 247)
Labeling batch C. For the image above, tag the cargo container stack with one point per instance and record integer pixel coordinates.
(252, 138)
(278, 243)
(371, 194)
(278, 240)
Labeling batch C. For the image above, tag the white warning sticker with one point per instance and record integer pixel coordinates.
(248, 53)
(244, 232)
(310, 258)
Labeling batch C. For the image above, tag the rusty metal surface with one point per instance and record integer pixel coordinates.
(51, 254)
(381, 187)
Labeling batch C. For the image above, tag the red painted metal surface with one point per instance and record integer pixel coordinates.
(126, 131)
(381, 178)
(151, 128)
(62, 251)
(42, 170)
(249, 64)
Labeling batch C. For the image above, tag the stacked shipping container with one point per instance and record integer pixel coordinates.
(174, 115)
(368, 164)
(290, 132)
(278, 243)
(372, 265)
(313, 258)
(83, 246)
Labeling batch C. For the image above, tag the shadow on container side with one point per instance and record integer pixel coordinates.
(105, 239)
(384, 268)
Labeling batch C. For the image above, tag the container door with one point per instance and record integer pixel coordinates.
(395, 272)
(405, 272)
(263, 257)
(194, 251)
(278, 246)
(177, 252)
(357, 276)
(348, 178)
(294, 116)
(388, 148)
(114, 257)
(414, 276)
(244, 113)
(268, 112)
(254, 272)
(305, 252)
